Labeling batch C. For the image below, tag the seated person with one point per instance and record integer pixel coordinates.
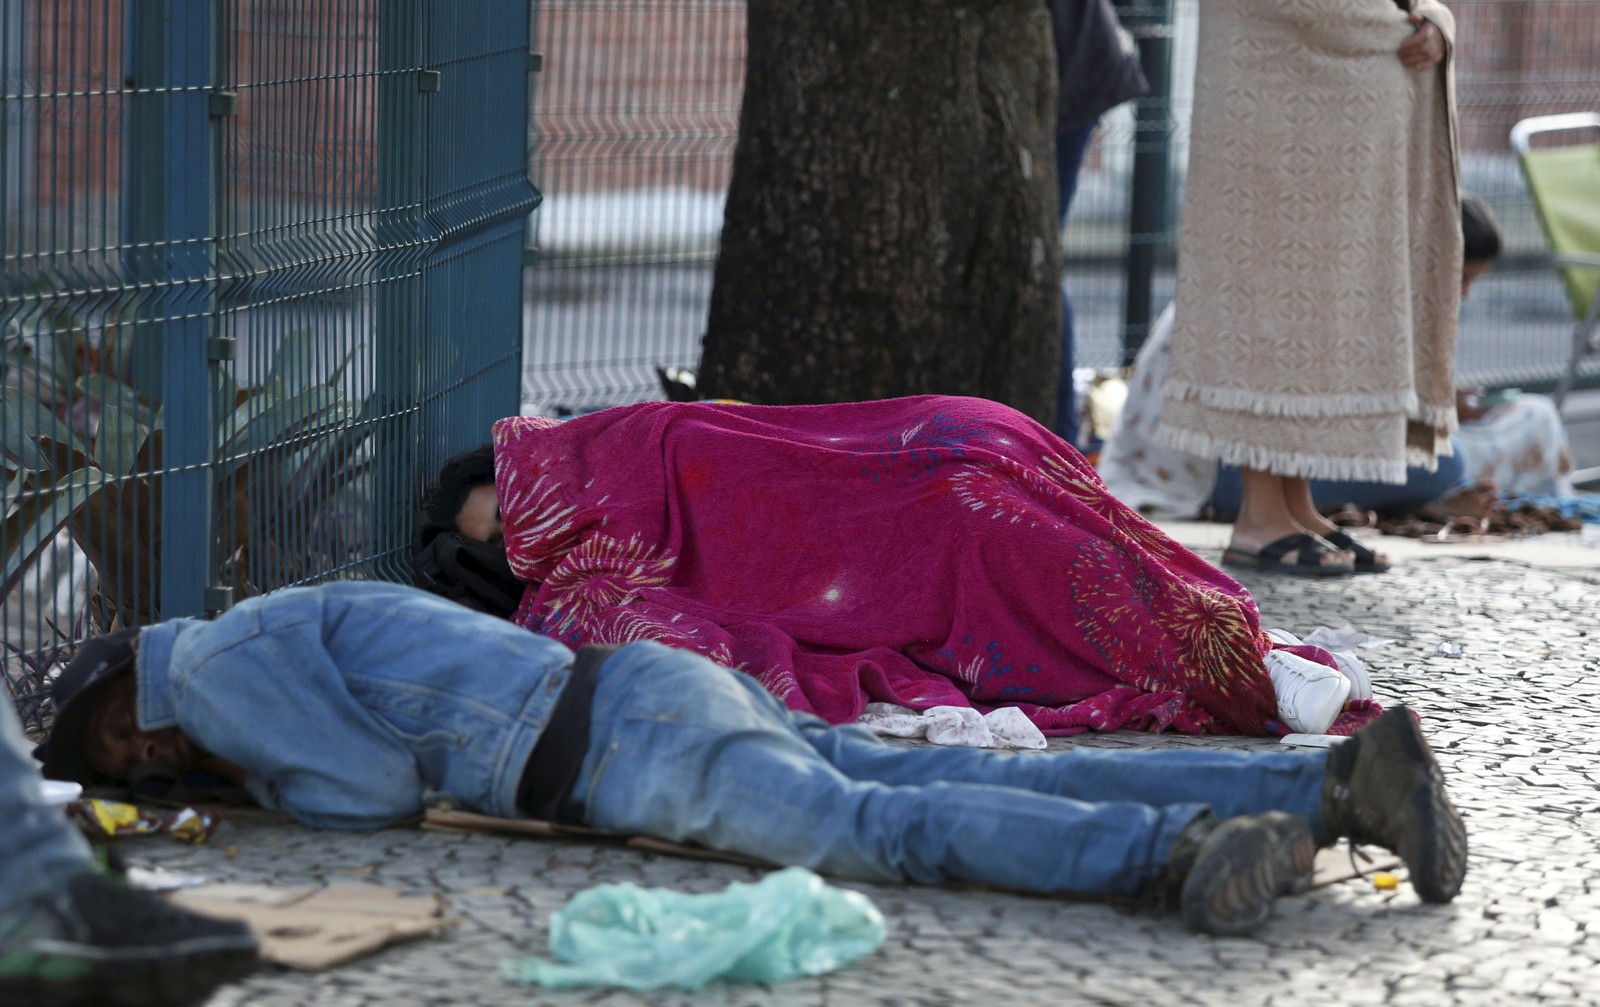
(343, 704)
(923, 551)
(1515, 447)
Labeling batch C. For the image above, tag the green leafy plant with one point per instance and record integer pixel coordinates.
(81, 450)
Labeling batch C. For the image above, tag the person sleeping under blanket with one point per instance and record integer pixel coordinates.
(924, 551)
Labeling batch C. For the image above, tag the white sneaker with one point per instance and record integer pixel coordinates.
(1310, 695)
(1351, 667)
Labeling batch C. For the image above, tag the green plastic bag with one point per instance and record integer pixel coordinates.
(788, 924)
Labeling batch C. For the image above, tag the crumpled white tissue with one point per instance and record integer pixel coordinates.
(1006, 727)
(1344, 638)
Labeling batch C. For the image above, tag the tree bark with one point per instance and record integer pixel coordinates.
(891, 222)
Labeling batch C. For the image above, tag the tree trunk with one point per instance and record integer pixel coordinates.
(891, 223)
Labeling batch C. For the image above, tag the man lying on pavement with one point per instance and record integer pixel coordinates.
(352, 704)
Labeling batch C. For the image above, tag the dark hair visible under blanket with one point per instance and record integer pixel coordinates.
(461, 474)
(448, 563)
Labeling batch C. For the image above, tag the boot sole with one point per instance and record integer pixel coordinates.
(1436, 857)
(1244, 866)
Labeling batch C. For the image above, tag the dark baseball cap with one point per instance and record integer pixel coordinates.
(65, 752)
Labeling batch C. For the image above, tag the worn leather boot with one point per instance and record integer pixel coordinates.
(1225, 875)
(1384, 787)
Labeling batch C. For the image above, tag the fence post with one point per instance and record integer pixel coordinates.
(402, 247)
(1149, 201)
(168, 219)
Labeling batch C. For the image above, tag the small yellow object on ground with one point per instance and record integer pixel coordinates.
(1385, 881)
(113, 818)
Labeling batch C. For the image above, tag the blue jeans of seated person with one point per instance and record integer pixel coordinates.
(41, 849)
(686, 751)
(1421, 487)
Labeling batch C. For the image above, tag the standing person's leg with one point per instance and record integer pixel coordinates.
(1266, 524)
(1071, 145)
(42, 849)
(1297, 493)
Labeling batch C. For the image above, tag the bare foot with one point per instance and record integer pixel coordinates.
(1474, 501)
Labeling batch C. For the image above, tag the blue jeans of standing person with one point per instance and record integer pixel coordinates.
(1071, 145)
(1421, 487)
(683, 752)
(41, 849)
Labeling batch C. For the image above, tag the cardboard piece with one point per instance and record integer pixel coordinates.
(441, 820)
(313, 928)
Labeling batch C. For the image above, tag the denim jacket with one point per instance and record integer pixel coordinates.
(347, 702)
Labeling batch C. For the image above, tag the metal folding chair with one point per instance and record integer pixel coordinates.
(1564, 181)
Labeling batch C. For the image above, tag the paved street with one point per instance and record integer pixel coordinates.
(1516, 722)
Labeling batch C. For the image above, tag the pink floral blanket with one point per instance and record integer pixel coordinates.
(923, 551)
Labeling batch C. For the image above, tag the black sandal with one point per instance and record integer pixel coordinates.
(1308, 550)
(1366, 560)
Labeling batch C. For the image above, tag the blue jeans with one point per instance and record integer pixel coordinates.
(1421, 487)
(41, 849)
(689, 752)
(1070, 148)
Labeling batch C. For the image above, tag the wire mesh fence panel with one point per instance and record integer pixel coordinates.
(636, 117)
(298, 240)
(261, 274)
(480, 201)
(77, 295)
(1517, 59)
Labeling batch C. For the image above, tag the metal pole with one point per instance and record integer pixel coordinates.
(402, 248)
(1149, 200)
(169, 209)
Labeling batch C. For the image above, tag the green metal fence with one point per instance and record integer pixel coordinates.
(260, 272)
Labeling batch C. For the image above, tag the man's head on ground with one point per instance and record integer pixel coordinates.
(96, 736)
(1480, 240)
(464, 497)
